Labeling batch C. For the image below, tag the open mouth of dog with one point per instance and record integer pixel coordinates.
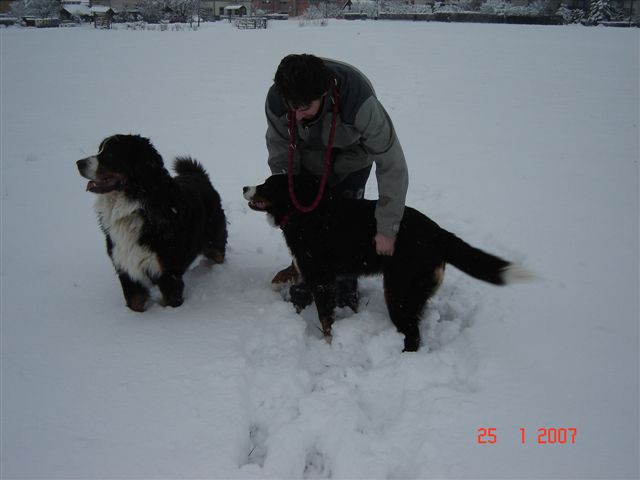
(256, 202)
(259, 205)
(106, 184)
(101, 180)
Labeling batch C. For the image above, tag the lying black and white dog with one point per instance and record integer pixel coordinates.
(155, 224)
(337, 239)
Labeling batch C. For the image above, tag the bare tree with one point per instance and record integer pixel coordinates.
(184, 10)
(46, 8)
(151, 11)
(36, 8)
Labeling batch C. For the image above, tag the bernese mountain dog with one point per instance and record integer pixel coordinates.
(337, 239)
(155, 224)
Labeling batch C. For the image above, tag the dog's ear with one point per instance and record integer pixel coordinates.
(148, 162)
(306, 180)
(144, 150)
(276, 189)
(148, 167)
(306, 187)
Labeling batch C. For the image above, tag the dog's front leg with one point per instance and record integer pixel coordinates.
(325, 298)
(171, 286)
(135, 294)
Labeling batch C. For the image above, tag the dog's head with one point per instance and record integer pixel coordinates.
(123, 162)
(273, 196)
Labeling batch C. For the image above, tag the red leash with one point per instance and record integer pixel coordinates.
(327, 155)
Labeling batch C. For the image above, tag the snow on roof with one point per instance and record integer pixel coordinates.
(76, 9)
(233, 7)
(100, 9)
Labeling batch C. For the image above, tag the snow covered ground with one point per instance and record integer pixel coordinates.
(522, 140)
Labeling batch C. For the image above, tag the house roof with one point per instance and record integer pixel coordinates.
(234, 7)
(75, 9)
(100, 9)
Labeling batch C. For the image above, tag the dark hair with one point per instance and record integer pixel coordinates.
(300, 79)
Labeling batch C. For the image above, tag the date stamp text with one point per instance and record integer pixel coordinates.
(540, 436)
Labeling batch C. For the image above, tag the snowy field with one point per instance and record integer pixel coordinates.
(522, 140)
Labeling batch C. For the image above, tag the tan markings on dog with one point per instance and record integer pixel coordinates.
(438, 277)
(326, 329)
(138, 302)
(214, 254)
(289, 274)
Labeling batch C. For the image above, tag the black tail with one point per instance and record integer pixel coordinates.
(188, 166)
(483, 265)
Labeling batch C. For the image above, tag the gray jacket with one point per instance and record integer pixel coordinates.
(364, 134)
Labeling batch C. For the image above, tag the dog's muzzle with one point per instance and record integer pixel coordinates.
(257, 204)
(99, 182)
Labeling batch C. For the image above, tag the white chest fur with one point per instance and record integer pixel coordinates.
(121, 220)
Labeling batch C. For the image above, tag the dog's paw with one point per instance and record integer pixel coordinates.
(300, 296)
(173, 301)
(137, 303)
(411, 344)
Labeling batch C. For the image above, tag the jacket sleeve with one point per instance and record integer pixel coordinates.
(277, 138)
(380, 140)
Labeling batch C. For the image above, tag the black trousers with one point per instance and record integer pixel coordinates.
(353, 184)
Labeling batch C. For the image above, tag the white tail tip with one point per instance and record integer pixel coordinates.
(517, 274)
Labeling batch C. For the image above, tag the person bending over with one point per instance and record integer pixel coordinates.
(315, 96)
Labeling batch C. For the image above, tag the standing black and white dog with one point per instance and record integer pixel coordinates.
(155, 224)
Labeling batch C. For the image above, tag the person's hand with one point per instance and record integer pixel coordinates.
(384, 245)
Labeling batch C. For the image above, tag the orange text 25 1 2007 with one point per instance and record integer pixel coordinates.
(541, 436)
